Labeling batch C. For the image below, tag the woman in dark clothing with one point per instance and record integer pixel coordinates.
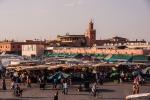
(3, 84)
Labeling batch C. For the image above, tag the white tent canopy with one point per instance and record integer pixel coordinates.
(138, 95)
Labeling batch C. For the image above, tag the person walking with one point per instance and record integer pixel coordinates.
(61, 84)
(63, 87)
(134, 88)
(101, 80)
(29, 82)
(69, 82)
(120, 79)
(94, 90)
(39, 80)
(143, 81)
(3, 84)
(82, 77)
(22, 80)
(56, 96)
(66, 89)
(12, 85)
(55, 83)
(97, 78)
(43, 79)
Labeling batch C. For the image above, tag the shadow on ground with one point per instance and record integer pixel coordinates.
(13, 99)
(114, 98)
(106, 90)
(35, 97)
(77, 94)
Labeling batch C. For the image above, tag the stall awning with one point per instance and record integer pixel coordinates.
(72, 55)
(101, 56)
(95, 55)
(119, 57)
(112, 60)
(86, 54)
(63, 55)
(140, 58)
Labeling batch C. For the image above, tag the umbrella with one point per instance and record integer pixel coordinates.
(114, 74)
(60, 75)
(146, 70)
(138, 72)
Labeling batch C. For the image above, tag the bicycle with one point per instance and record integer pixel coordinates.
(16, 94)
(98, 94)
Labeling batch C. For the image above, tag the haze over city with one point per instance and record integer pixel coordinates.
(45, 19)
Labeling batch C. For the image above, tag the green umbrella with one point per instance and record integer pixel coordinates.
(114, 74)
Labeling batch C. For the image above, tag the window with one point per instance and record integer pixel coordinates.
(13, 46)
(18, 46)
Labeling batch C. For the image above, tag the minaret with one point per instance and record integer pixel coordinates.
(91, 25)
(90, 35)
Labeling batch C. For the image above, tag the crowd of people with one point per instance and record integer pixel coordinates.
(27, 79)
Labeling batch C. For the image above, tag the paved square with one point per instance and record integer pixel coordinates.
(110, 90)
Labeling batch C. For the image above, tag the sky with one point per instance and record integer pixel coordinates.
(45, 19)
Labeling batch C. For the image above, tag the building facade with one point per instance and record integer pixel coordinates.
(15, 47)
(89, 39)
(32, 50)
(72, 40)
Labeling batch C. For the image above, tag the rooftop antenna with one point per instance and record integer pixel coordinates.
(16, 39)
(93, 20)
(40, 38)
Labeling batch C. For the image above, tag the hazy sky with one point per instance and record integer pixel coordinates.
(45, 19)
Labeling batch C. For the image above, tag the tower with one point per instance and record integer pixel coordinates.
(90, 35)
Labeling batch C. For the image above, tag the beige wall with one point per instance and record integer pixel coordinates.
(92, 51)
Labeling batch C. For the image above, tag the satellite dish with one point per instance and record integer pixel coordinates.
(67, 33)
